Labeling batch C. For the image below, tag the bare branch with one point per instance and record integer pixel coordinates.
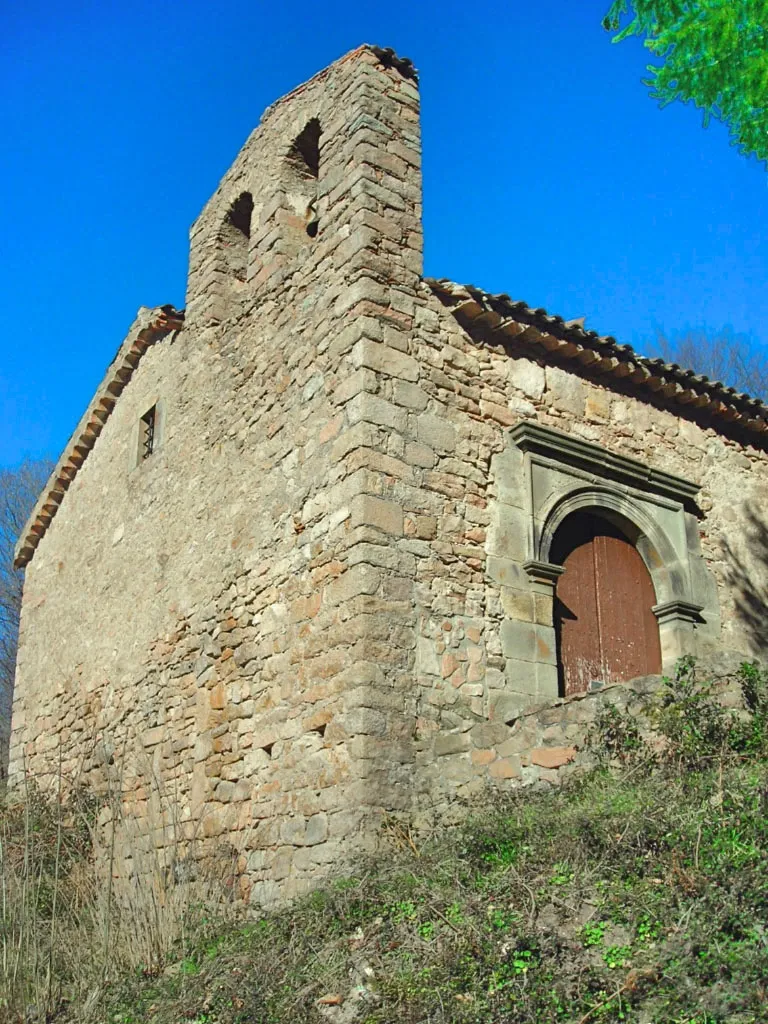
(727, 357)
(19, 489)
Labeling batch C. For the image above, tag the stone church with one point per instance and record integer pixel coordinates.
(341, 541)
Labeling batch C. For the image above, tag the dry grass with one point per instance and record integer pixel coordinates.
(90, 894)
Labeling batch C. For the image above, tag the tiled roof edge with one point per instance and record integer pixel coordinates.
(602, 354)
(150, 326)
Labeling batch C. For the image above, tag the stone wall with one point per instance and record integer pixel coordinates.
(485, 646)
(323, 596)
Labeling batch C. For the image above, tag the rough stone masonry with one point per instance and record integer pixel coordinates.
(295, 569)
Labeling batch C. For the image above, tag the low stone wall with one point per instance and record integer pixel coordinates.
(545, 744)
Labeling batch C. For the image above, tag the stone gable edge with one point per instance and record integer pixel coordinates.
(385, 55)
(149, 327)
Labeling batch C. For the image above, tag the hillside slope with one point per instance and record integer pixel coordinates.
(637, 893)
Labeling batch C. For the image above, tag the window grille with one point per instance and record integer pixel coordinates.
(147, 433)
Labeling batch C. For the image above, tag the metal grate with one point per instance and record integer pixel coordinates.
(147, 442)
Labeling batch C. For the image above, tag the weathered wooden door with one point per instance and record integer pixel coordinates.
(606, 630)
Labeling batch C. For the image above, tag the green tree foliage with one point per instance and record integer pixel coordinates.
(714, 53)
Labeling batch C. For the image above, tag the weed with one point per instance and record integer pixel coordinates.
(593, 932)
(616, 735)
(617, 956)
(646, 929)
(523, 960)
(561, 874)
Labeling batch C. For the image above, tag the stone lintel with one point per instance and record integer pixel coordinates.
(572, 451)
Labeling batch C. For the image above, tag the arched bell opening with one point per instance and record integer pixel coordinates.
(234, 237)
(605, 627)
(300, 178)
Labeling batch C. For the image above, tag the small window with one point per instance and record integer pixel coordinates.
(147, 433)
(305, 151)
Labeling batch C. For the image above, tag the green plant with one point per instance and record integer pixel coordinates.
(615, 735)
(688, 716)
(711, 54)
(646, 930)
(562, 874)
(501, 919)
(592, 933)
(404, 910)
(617, 956)
(523, 960)
(454, 914)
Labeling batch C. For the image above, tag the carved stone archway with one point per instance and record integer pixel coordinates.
(543, 477)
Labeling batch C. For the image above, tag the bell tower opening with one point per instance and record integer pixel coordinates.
(605, 627)
(303, 172)
(235, 236)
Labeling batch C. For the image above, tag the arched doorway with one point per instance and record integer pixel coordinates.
(604, 623)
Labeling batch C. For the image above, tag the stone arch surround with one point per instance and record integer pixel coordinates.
(654, 546)
(542, 477)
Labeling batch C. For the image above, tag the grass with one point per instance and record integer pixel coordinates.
(638, 893)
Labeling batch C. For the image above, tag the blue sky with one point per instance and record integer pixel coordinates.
(549, 173)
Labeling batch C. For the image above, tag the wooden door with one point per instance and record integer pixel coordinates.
(606, 630)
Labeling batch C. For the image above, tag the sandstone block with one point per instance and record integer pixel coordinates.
(451, 743)
(363, 721)
(384, 359)
(376, 410)
(483, 757)
(418, 454)
(427, 659)
(150, 738)
(316, 830)
(359, 579)
(552, 757)
(378, 512)
(528, 376)
(218, 697)
(488, 734)
(565, 391)
(436, 432)
(518, 639)
(505, 707)
(598, 407)
(504, 768)
(409, 395)
(501, 414)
